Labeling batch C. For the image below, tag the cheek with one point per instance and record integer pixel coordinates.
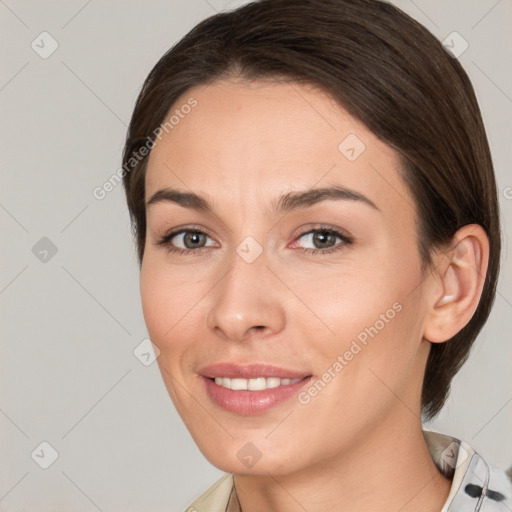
(367, 302)
(170, 301)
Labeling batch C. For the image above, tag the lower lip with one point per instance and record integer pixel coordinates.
(249, 403)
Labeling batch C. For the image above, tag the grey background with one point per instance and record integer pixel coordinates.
(70, 324)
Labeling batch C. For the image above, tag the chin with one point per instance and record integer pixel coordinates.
(245, 458)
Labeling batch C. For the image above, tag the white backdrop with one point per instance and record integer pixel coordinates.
(70, 309)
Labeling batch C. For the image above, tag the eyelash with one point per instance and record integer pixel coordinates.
(345, 240)
(165, 241)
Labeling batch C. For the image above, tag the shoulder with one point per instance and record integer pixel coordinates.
(215, 498)
(477, 485)
(498, 493)
(485, 488)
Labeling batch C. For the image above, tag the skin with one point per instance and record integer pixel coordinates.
(358, 444)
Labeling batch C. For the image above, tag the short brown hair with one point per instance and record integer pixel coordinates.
(386, 70)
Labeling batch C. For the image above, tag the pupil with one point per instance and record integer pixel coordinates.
(323, 238)
(193, 238)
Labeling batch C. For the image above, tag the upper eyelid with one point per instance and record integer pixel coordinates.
(324, 227)
(168, 236)
(185, 229)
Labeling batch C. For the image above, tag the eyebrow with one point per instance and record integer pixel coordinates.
(185, 199)
(304, 199)
(287, 202)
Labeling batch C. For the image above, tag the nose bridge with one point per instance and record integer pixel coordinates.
(245, 298)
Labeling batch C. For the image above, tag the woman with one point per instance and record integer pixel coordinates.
(315, 211)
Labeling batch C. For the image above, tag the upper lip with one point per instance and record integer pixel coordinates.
(249, 371)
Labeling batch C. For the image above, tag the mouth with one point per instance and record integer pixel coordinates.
(251, 389)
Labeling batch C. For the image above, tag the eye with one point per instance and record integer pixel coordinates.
(320, 239)
(190, 239)
(324, 240)
(185, 240)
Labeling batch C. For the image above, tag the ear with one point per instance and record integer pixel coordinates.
(457, 283)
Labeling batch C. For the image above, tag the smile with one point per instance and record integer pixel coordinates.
(256, 384)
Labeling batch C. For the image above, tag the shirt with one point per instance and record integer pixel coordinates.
(476, 485)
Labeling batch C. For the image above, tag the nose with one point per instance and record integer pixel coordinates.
(246, 301)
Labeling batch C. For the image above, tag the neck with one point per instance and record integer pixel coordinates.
(390, 470)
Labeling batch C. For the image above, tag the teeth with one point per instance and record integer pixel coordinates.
(257, 384)
(273, 382)
(238, 384)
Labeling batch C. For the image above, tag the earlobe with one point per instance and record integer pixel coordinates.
(460, 275)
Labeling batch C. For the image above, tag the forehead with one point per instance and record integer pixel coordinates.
(261, 138)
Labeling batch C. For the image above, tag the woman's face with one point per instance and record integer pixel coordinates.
(281, 244)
